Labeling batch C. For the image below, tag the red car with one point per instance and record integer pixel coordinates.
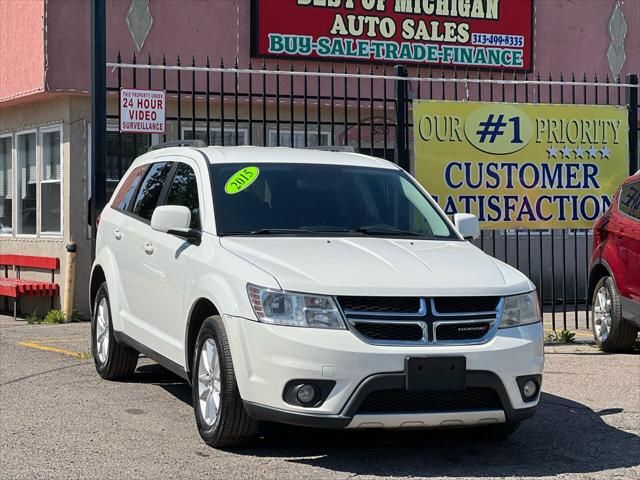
(614, 274)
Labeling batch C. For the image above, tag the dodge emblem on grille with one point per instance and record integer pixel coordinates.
(480, 328)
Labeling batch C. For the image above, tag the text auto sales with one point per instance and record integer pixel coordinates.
(522, 177)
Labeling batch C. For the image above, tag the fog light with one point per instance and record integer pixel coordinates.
(306, 394)
(530, 389)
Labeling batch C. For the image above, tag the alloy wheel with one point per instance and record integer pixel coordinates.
(209, 382)
(102, 331)
(602, 314)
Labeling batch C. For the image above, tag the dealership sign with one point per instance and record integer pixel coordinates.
(463, 33)
(142, 111)
(521, 165)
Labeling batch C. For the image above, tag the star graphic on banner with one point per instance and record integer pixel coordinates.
(592, 152)
(566, 152)
(605, 152)
(552, 151)
(579, 151)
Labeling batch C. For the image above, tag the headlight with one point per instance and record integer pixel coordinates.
(294, 309)
(520, 310)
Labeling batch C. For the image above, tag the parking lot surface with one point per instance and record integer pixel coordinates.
(58, 419)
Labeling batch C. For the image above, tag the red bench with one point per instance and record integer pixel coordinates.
(17, 287)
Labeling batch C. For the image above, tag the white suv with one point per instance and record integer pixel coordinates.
(311, 288)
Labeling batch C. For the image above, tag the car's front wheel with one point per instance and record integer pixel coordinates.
(220, 415)
(610, 330)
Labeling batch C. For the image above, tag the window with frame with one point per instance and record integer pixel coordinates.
(26, 184)
(216, 136)
(150, 190)
(184, 191)
(51, 181)
(629, 200)
(313, 139)
(6, 185)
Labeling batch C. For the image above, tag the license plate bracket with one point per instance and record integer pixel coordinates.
(433, 374)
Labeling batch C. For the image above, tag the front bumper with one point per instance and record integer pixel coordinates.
(266, 357)
(350, 418)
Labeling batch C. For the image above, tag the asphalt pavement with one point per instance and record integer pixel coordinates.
(59, 420)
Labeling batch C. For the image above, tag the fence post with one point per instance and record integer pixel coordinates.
(98, 114)
(401, 151)
(632, 105)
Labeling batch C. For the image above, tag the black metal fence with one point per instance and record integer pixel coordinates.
(367, 108)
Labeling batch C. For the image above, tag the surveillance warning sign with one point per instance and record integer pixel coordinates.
(142, 111)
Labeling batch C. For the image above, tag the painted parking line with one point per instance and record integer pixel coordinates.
(47, 348)
(64, 340)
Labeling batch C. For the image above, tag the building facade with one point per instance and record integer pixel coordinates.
(45, 83)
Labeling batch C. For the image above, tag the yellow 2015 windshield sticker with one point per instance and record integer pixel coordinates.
(241, 179)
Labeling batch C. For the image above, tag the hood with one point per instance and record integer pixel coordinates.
(378, 266)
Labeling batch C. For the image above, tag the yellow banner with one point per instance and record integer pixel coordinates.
(521, 165)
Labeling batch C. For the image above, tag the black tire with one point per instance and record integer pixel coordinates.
(621, 334)
(232, 426)
(120, 361)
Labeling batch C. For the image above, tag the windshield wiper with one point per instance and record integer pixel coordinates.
(271, 231)
(370, 230)
(380, 230)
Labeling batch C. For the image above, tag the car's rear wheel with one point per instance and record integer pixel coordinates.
(112, 359)
(220, 415)
(610, 330)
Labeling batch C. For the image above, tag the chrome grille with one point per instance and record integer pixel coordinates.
(445, 305)
(422, 321)
(380, 304)
(405, 332)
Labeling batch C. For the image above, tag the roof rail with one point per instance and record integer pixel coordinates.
(333, 148)
(178, 143)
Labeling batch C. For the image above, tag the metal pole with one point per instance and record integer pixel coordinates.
(69, 281)
(632, 104)
(98, 115)
(401, 152)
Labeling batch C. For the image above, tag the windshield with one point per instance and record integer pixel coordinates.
(309, 199)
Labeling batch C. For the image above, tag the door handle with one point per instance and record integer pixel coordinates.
(148, 248)
(117, 234)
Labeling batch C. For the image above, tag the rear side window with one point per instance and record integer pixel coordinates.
(150, 191)
(630, 200)
(184, 191)
(130, 184)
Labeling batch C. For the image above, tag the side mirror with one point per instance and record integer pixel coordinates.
(468, 225)
(174, 220)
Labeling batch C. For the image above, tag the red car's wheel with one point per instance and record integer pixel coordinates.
(611, 332)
